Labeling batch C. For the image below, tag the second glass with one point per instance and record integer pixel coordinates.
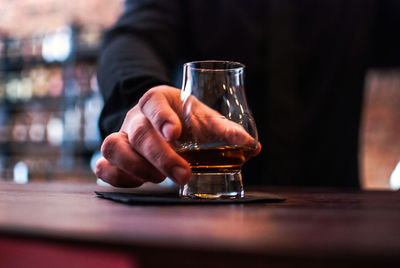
(218, 131)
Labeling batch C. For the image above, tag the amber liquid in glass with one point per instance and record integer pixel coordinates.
(223, 159)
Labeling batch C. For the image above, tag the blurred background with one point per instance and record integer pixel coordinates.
(49, 98)
(50, 102)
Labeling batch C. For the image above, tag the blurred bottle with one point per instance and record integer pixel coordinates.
(4, 129)
(89, 35)
(20, 129)
(55, 131)
(39, 78)
(12, 89)
(37, 129)
(13, 48)
(93, 106)
(55, 82)
(21, 173)
(2, 45)
(2, 90)
(19, 88)
(25, 93)
(37, 45)
(57, 46)
(72, 123)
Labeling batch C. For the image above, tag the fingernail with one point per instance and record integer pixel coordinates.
(179, 174)
(167, 131)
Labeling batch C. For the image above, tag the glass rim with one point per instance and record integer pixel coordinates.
(240, 66)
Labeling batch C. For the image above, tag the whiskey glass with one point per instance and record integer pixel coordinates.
(219, 133)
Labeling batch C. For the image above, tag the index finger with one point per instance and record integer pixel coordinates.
(156, 105)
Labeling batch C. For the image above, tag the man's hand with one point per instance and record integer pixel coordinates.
(141, 151)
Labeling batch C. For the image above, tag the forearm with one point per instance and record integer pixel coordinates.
(138, 53)
(124, 76)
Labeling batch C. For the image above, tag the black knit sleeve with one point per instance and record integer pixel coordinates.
(139, 52)
(386, 35)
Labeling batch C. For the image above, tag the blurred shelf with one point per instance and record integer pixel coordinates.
(33, 92)
(45, 103)
(44, 148)
(84, 53)
(10, 64)
(76, 174)
(31, 148)
(15, 63)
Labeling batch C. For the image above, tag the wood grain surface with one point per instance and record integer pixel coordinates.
(330, 227)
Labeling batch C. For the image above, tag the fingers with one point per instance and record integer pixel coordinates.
(114, 176)
(231, 132)
(118, 152)
(147, 142)
(158, 106)
(209, 126)
(141, 148)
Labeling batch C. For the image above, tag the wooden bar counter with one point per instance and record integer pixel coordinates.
(60, 224)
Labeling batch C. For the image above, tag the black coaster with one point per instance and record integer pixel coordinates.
(173, 198)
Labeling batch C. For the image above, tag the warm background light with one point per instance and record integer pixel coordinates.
(380, 130)
(22, 18)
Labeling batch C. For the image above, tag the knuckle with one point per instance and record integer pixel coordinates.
(158, 157)
(154, 111)
(132, 113)
(163, 160)
(109, 145)
(104, 173)
(146, 172)
(99, 168)
(115, 176)
(158, 116)
(234, 135)
(139, 134)
(146, 97)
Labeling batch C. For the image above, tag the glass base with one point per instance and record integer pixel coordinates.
(213, 186)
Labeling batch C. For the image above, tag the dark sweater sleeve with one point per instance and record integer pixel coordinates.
(139, 52)
(385, 33)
